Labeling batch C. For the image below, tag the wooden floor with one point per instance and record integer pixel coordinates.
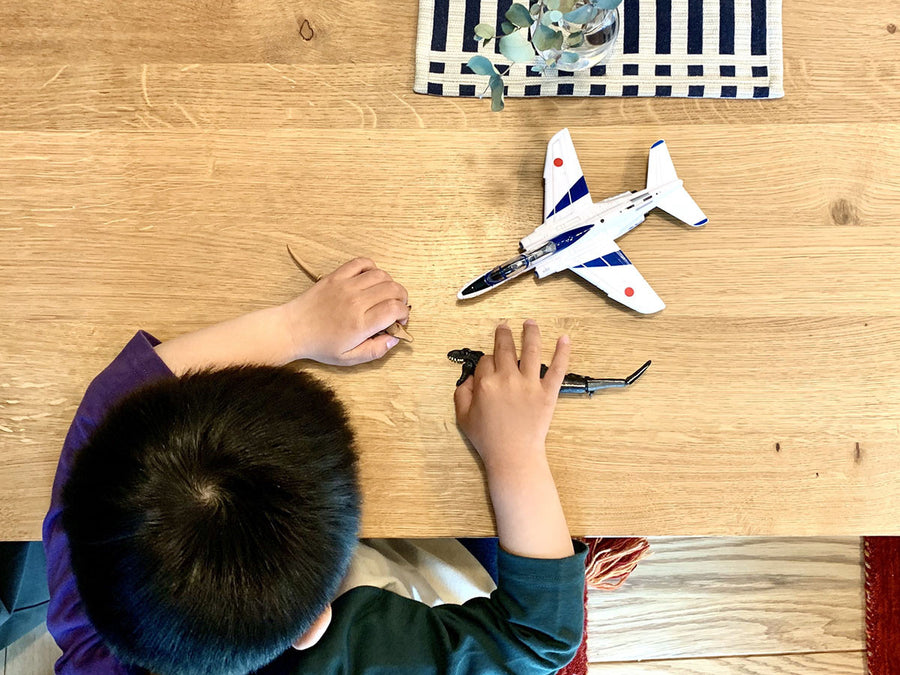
(734, 605)
(697, 606)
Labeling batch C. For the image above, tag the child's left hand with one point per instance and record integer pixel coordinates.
(339, 320)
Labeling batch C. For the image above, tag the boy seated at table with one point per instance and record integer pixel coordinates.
(205, 509)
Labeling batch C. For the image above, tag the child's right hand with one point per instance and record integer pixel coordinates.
(339, 319)
(506, 408)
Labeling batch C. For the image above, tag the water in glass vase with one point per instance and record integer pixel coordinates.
(580, 38)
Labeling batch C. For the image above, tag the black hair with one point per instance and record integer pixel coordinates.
(212, 517)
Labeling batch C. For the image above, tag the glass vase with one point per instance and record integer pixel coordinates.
(593, 46)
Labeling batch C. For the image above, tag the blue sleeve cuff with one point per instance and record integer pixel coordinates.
(542, 572)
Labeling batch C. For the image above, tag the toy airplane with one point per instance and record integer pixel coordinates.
(580, 235)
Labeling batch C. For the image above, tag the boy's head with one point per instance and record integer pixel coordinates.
(212, 517)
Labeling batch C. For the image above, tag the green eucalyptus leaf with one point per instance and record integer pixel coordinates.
(574, 40)
(606, 4)
(551, 4)
(566, 6)
(484, 31)
(507, 27)
(496, 93)
(545, 19)
(480, 65)
(555, 15)
(517, 48)
(519, 15)
(582, 15)
(568, 58)
(546, 38)
(535, 10)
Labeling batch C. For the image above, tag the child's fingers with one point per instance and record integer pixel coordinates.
(462, 397)
(557, 370)
(370, 350)
(485, 367)
(385, 290)
(369, 278)
(353, 267)
(385, 313)
(504, 349)
(530, 363)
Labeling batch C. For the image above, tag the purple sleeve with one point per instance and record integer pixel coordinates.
(83, 650)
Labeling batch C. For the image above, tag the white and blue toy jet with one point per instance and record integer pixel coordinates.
(580, 235)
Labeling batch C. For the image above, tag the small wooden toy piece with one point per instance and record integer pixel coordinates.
(395, 329)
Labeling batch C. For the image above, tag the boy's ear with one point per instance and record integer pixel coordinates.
(315, 632)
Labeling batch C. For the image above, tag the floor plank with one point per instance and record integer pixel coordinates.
(837, 663)
(33, 654)
(719, 597)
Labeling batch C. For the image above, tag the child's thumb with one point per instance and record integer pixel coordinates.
(369, 350)
(462, 397)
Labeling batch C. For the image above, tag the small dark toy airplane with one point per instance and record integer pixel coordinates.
(572, 383)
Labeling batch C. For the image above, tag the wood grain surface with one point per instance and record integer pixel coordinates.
(836, 663)
(698, 597)
(156, 157)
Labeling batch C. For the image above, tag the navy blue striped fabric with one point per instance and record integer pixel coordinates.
(631, 32)
(758, 27)
(439, 31)
(695, 27)
(726, 26)
(663, 26)
(473, 18)
(502, 8)
(643, 61)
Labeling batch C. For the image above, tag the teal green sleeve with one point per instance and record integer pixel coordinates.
(532, 624)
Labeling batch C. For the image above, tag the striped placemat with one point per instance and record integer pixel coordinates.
(688, 48)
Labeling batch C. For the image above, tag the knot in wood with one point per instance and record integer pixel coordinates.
(306, 30)
(844, 213)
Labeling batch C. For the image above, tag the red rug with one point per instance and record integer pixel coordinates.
(882, 563)
(609, 562)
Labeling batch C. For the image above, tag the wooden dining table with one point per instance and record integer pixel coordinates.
(156, 157)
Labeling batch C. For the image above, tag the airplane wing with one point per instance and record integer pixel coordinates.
(615, 275)
(564, 186)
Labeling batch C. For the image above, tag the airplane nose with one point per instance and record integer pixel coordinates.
(475, 287)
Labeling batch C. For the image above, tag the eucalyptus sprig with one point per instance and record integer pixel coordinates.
(560, 28)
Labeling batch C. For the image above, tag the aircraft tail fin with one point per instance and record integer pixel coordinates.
(661, 170)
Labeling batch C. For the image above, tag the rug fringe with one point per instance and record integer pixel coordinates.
(608, 563)
(611, 559)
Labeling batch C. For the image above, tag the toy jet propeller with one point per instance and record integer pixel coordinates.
(580, 235)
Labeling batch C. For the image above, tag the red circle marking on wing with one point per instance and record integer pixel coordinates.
(629, 291)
